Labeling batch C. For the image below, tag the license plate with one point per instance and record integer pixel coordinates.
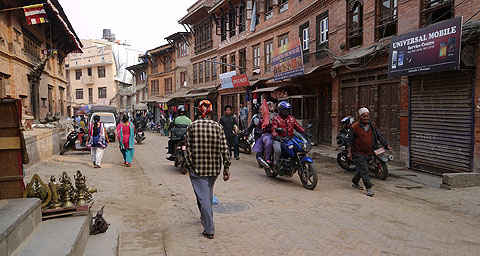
(184, 147)
(379, 151)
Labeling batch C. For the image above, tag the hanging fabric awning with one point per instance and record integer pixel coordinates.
(268, 89)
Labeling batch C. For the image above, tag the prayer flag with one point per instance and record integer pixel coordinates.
(35, 14)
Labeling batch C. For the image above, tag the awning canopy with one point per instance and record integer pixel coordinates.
(141, 106)
(268, 89)
(192, 95)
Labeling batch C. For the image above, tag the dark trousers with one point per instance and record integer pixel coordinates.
(362, 170)
(232, 141)
(171, 146)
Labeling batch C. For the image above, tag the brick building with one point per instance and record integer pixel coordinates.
(346, 55)
(27, 71)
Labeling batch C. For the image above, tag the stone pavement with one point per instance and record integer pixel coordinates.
(154, 207)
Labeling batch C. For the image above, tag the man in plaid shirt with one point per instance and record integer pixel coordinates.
(206, 151)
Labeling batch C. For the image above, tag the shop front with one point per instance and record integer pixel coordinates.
(442, 118)
(373, 89)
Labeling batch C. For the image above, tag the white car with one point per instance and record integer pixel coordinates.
(108, 120)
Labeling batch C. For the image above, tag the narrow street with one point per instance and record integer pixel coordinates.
(154, 207)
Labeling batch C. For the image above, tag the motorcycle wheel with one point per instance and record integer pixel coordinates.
(269, 172)
(342, 161)
(381, 171)
(308, 176)
(62, 151)
(139, 141)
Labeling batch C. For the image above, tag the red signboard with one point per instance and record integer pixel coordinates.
(240, 80)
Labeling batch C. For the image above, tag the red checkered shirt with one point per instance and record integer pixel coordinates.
(206, 148)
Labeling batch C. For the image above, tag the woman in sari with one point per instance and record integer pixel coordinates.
(126, 137)
(97, 141)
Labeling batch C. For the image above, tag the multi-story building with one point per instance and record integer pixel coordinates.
(139, 85)
(95, 76)
(203, 54)
(161, 78)
(345, 47)
(32, 57)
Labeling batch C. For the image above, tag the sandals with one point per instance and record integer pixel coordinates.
(128, 165)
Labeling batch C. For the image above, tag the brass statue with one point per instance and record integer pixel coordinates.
(66, 189)
(55, 202)
(36, 188)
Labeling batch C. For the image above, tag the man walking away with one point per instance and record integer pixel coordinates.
(243, 116)
(206, 150)
(229, 123)
(362, 141)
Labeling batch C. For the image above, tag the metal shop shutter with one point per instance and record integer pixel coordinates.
(441, 122)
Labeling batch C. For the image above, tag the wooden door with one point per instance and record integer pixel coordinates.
(325, 115)
(389, 114)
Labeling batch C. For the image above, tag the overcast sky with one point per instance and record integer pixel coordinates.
(141, 23)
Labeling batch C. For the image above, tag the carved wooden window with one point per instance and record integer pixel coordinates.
(232, 21)
(268, 55)
(242, 17)
(194, 73)
(214, 70)
(355, 23)
(168, 85)
(242, 61)
(232, 61)
(386, 18)
(203, 36)
(434, 11)
(321, 35)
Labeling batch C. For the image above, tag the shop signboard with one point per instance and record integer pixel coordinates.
(287, 61)
(431, 49)
(226, 79)
(240, 80)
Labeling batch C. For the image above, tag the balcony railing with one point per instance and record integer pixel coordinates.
(87, 79)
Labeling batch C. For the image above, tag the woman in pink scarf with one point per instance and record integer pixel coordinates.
(126, 138)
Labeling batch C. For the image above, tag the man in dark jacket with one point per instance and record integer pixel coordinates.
(361, 143)
(229, 123)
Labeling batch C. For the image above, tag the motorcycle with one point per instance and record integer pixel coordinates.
(179, 155)
(245, 142)
(76, 140)
(139, 135)
(376, 165)
(294, 159)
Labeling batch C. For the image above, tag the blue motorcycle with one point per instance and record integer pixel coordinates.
(294, 158)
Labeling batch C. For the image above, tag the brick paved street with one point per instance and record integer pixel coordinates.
(154, 207)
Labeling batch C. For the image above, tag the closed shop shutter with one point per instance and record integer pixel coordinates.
(441, 122)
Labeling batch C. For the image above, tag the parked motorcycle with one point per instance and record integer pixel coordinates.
(76, 140)
(377, 164)
(294, 159)
(139, 135)
(179, 155)
(245, 142)
(342, 138)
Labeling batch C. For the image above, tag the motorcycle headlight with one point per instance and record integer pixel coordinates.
(307, 147)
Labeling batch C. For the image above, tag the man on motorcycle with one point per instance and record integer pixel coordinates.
(178, 128)
(362, 141)
(288, 123)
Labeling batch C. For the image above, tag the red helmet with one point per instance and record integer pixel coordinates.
(205, 107)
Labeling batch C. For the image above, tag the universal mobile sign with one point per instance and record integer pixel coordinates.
(287, 61)
(431, 49)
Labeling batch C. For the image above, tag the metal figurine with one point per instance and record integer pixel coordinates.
(66, 190)
(55, 202)
(100, 225)
(36, 188)
(81, 189)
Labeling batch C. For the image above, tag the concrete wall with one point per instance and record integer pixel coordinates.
(43, 143)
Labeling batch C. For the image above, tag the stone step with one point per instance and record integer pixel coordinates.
(104, 244)
(58, 237)
(18, 218)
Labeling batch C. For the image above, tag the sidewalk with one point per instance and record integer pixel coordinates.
(329, 154)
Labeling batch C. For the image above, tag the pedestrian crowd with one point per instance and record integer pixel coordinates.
(209, 145)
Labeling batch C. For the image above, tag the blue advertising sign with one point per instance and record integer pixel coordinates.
(288, 61)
